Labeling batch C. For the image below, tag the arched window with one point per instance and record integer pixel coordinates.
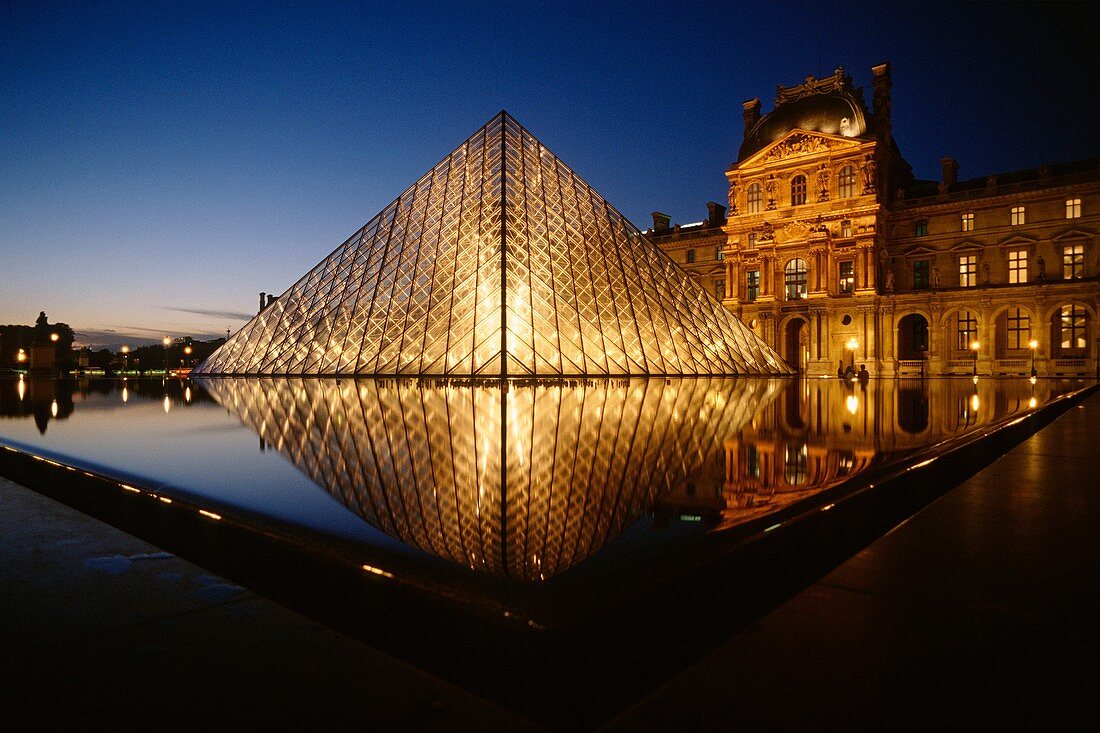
(847, 182)
(794, 276)
(1071, 331)
(798, 190)
(755, 199)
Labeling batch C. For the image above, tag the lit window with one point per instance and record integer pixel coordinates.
(967, 330)
(1019, 329)
(920, 228)
(1073, 208)
(968, 271)
(752, 285)
(920, 275)
(968, 222)
(847, 276)
(1017, 266)
(846, 228)
(798, 190)
(690, 256)
(847, 182)
(755, 199)
(719, 288)
(1073, 261)
(718, 253)
(1017, 215)
(794, 276)
(1072, 327)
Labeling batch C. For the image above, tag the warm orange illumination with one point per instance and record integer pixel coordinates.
(21, 356)
(1033, 344)
(1032, 402)
(212, 515)
(130, 488)
(852, 344)
(974, 402)
(54, 337)
(125, 349)
(378, 571)
(167, 341)
(165, 499)
(852, 403)
(167, 404)
(53, 408)
(975, 345)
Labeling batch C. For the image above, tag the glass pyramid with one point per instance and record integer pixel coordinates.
(499, 262)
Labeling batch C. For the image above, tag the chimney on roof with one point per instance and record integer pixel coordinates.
(660, 222)
(716, 214)
(950, 168)
(263, 301)
(881, 98)
(751, 113)
(271, 298)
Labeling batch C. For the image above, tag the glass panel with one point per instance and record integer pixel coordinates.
(499, 261)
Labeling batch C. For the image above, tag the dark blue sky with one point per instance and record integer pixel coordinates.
(161, 163)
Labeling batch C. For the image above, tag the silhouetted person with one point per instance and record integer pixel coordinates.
(863, 374)
(849, 372)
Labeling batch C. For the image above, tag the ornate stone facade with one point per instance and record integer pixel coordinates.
(838, 257)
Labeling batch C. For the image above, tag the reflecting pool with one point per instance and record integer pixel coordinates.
(523, 485)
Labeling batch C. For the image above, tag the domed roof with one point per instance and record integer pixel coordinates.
(835, 113)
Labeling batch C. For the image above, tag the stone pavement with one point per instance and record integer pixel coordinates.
(97, 626)
(978, 611)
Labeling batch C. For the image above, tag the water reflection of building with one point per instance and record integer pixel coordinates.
(524, 483)
(834, 253)
(47, 398)
(818, 433)
(41, 399)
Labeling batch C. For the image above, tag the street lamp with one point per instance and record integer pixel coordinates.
(21, 356)
(54, 337)
(167, 341)
(1033, 344)
(974, 346)
(852, 345)
(125, 357)
(187, 351)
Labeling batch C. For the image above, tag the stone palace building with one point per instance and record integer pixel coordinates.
(836, 255)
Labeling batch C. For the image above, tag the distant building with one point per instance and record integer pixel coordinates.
(837, 256)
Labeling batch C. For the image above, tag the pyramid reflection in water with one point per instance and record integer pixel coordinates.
(427, 464)
(498, 262)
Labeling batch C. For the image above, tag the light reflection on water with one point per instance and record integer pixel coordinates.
(526, 482)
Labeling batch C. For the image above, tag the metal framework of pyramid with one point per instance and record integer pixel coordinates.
(499, 262)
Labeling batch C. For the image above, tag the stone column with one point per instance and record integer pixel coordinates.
(732, 274)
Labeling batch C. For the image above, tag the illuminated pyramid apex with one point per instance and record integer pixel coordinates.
(498, 262)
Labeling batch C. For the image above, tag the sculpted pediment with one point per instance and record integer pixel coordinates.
(800, 142)
(797, 230)
(1073, 234)
(1017, 240)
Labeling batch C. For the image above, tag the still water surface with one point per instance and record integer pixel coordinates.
(522, 484)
